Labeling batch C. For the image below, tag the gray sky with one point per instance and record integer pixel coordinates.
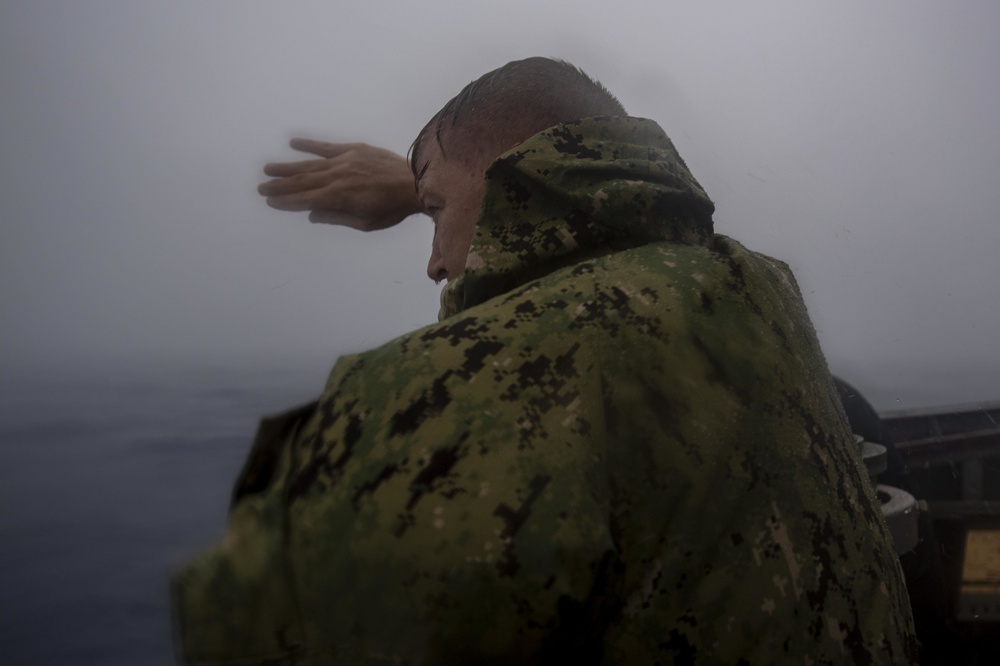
(858, 141)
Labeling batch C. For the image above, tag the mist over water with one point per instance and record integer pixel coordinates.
(855, 141)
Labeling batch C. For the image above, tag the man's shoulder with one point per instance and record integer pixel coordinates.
(572, 304)
(512, 327)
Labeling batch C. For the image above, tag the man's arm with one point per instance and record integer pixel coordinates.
(353, 184)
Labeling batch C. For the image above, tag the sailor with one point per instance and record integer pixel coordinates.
(620, 443)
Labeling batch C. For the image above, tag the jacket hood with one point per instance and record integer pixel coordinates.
(576, 191)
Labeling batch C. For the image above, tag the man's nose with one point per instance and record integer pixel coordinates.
(435, 266)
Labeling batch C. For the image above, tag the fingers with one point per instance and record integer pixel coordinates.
(321, 148)
(353, 184)
(285, 169)
(297, 201)
(298, 182)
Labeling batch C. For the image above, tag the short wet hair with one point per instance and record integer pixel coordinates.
(504, 107)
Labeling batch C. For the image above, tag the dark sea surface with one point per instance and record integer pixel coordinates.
(109, 481)
(108, 484)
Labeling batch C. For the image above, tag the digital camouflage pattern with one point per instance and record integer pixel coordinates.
(619, 445)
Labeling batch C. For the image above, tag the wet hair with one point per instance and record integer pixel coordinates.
(504, 107)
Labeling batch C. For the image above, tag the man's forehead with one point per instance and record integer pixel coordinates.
(428, 158)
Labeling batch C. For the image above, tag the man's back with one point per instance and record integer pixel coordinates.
(617, 448)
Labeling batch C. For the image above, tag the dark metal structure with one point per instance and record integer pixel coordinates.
(949, 459)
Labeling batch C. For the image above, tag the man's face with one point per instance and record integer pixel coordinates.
(450, 192)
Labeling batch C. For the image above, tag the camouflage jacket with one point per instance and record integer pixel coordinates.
(620, 444)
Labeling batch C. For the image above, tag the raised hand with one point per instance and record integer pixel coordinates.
(353, 184)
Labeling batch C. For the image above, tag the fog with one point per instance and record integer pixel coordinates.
(859, 142)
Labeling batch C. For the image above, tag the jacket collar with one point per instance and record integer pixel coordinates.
(575, 191)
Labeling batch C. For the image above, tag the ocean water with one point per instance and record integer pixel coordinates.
(107, 485)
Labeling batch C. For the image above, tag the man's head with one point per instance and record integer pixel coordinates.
(490, 116)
